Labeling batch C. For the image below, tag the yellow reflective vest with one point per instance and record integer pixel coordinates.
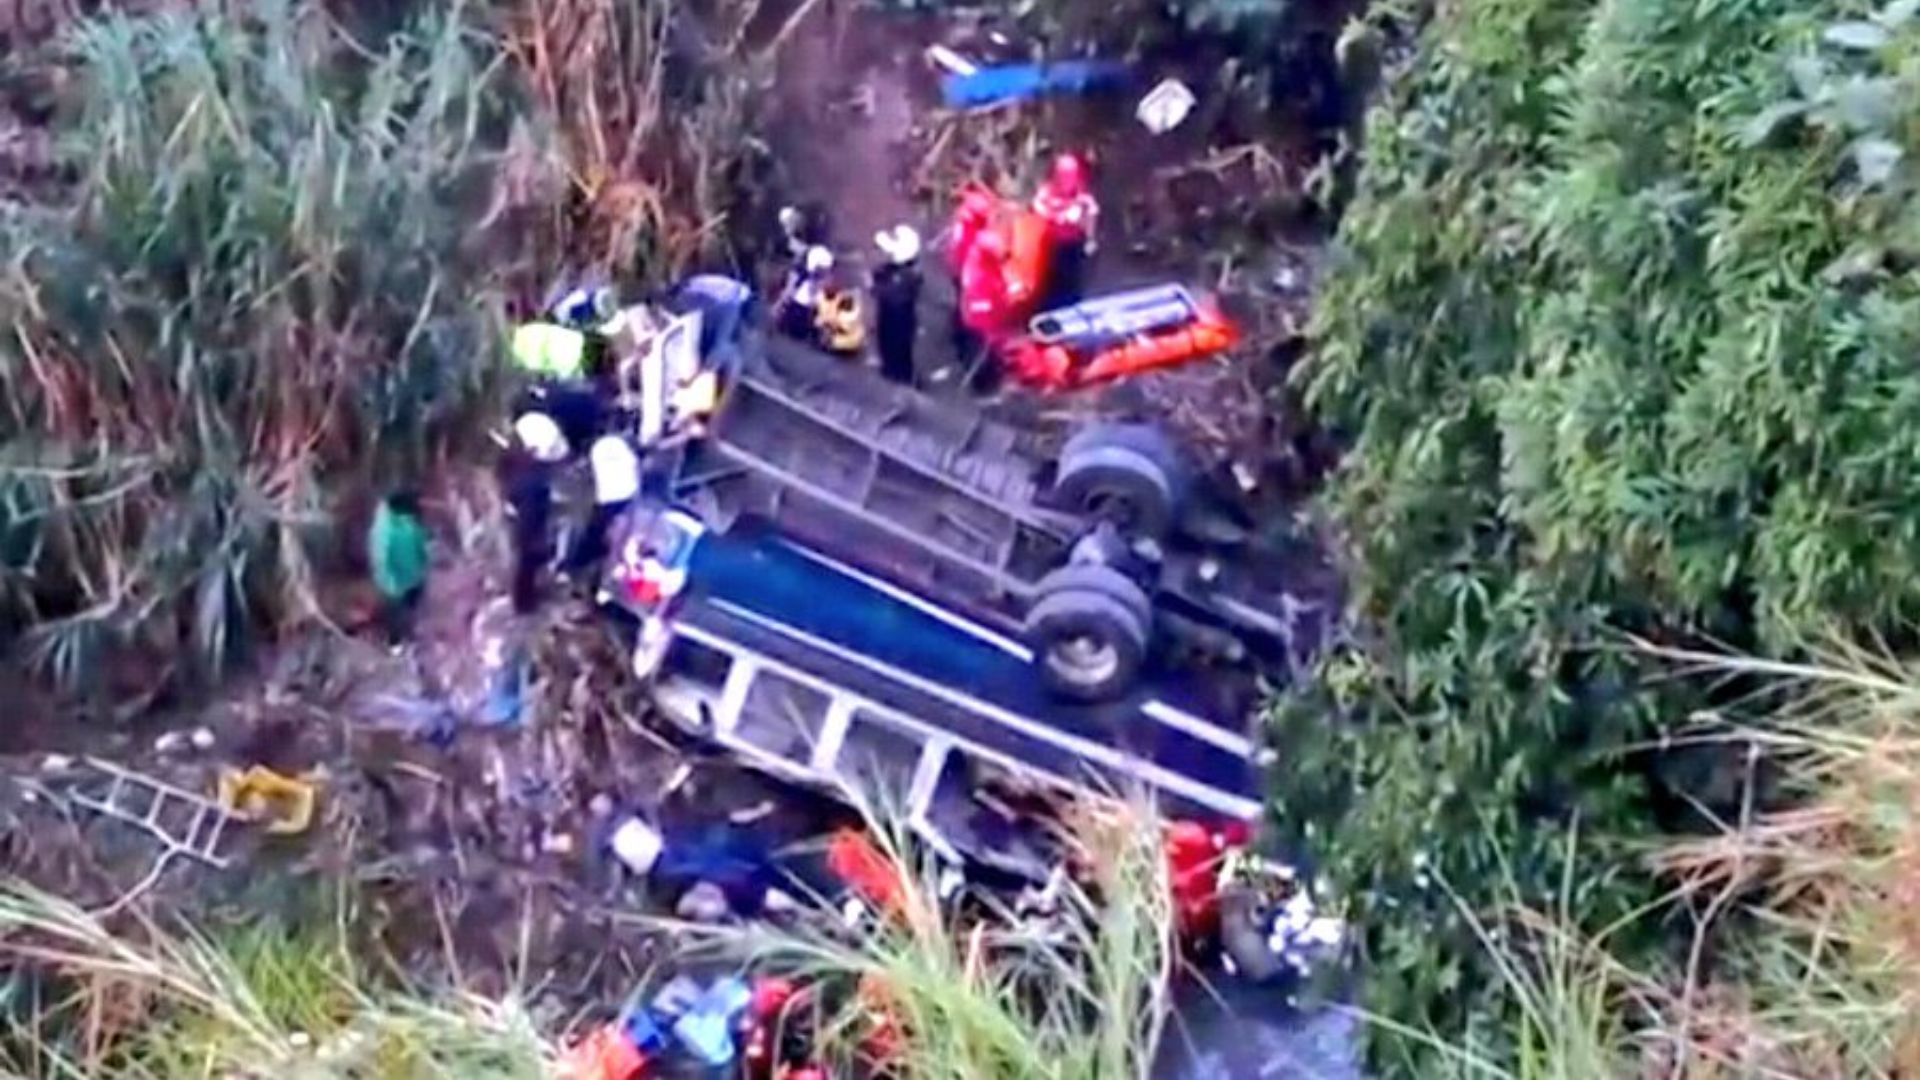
(842, 321)
(548, 350)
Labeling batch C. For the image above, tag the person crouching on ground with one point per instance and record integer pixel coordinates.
(896, 299)
(397, 554)
(800, 298)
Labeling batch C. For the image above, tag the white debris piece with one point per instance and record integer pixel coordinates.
(1165, 107)
(201, 738)
(952, 879)
(704, 902)
(951, 60)
(637, 845)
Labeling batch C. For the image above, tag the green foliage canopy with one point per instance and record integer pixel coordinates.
(1624, 331)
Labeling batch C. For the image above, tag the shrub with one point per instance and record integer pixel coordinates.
(1621, 329)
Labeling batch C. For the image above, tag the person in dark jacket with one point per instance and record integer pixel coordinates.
(527, 476)
(896, 299)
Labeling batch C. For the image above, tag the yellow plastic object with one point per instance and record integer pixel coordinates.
(842, 321)
(259, 795)
(699, 397)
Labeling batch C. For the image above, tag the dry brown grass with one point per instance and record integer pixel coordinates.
(646, 161)
(1822, 976)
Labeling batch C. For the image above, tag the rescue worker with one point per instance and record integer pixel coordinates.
(800, 299)
(616, 483)
(840, 321)
(984, 307)
(548, 350)
(571, 378)
(970, 219)
(802, 228)
(527, 477)
(397, 554)
(585, 308)
(725, 305)
(1071, 213)
(896, 299)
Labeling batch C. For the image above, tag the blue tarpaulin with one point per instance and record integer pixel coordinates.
(1017, 82)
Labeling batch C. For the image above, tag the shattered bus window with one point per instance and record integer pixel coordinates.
(878, 760)
(995, 817)
(783, 717)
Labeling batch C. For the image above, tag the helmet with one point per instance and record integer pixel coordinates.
(818, 260)
(901, 244)
(1069, 175)
(541, 436)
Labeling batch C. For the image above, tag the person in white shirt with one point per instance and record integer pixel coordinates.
(616, 483)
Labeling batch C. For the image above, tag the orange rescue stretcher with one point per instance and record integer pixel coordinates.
(1114, 336)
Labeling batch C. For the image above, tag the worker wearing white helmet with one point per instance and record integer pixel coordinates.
(801, 297)
(537, 448)
(541, 437)
(896, 298)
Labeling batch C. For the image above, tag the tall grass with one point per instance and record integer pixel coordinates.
(1805, 959)
(652, 105)
(143, 1001)
(264, 278)
(1568, 1009)
(1083, 997)
(1827, 983)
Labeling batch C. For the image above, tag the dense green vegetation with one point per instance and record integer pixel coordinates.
(265, 274)
(1622, 329)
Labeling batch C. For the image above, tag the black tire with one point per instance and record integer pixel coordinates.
(1105, 580)
(1129, 474)
(1088, 645)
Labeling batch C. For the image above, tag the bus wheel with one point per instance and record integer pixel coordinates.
(1088, 632)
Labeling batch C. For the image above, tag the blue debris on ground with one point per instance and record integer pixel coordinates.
(1019, 82)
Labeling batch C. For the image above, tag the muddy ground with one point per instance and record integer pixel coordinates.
(485, 848)
(861, 131)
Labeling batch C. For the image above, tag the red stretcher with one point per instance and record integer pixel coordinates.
(1115, 336)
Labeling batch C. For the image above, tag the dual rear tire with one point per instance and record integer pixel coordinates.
(1090, 623)
(1089, 630)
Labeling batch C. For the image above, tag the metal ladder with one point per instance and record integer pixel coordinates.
(184, 823)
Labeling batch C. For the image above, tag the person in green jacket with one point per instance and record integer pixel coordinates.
(397, 551)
